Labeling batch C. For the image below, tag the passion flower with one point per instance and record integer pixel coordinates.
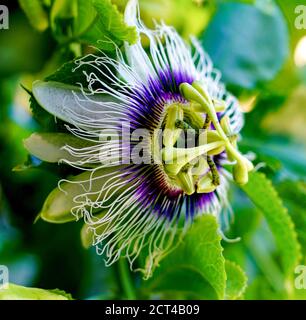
(135, 193)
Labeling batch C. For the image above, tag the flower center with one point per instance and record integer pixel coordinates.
(192, 140)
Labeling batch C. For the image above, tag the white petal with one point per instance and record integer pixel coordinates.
(72, 105)
(49, 147)
(136, 55)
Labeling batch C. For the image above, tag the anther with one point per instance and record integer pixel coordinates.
(214, 171)
(179, 124)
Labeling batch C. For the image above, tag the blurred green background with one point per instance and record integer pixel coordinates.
(262, 56)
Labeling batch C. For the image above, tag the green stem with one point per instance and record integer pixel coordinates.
(126, 281)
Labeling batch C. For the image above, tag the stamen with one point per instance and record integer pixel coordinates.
(197, 92)
(214, 171)
(207, 122)
(185, 166)
(181, 125)
(174, 113)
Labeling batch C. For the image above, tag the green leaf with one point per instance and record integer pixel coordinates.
(248, 43)
(67, 74)
(260, 289)
(35, 12)
(95, 22)
(113, 21)
(294, 195)
(109, 27)
(71, 18)
(15, 292)
(62, 17)
(196, 267)
(62, 293)
(261, 191)
(236, 281)
(85, 16)
(49, 146)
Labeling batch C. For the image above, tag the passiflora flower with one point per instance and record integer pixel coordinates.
(153, 133)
